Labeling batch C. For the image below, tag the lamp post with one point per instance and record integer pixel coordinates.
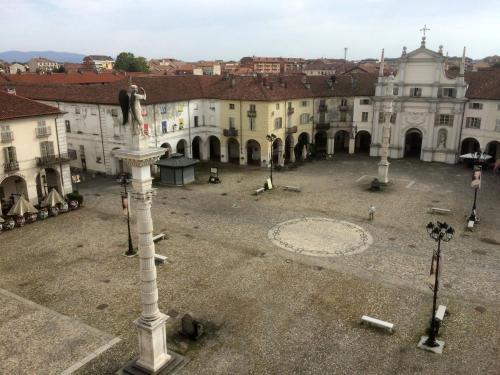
(438, 232)
(125, 198)
(476, 185)
(271, 138)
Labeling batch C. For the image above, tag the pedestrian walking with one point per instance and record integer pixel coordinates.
(371, 212)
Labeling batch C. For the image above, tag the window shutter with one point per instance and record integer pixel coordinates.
(440, 92)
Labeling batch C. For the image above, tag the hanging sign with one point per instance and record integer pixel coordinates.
(476, 177)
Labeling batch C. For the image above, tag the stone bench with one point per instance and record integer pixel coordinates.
(440, 313)
(377, 323)
(292, 188)
(259, 190)
(160, 258)
(159, 237)
(440, 210)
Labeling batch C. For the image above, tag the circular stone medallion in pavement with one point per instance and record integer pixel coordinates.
(321, 237)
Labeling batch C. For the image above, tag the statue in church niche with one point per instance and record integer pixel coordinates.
(442, 135)
(130, 102)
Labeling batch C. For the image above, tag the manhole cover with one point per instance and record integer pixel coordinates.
(321, 237)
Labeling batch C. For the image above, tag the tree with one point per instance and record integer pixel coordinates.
(128, 62)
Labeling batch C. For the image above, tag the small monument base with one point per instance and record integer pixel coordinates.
(383, 172)
(435, 349)
(176, 363)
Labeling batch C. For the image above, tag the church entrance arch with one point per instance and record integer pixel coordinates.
(181, 147)
(413, 143)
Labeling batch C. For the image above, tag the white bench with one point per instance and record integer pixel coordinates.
(259, 190)
(440, 313)
(292, 188)
(440, 210)
(160, 258)
(377, 323)
(159, 237)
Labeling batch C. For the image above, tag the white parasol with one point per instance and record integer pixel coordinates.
(53, 199)
(479, 156)
(304, 152)
(22, 207)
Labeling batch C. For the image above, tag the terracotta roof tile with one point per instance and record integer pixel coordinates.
(13, 106)
(484, 84)
(65, 78)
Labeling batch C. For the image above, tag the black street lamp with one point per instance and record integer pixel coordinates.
(438, 232)
(271, 138)
(475, 184)
(124, 183)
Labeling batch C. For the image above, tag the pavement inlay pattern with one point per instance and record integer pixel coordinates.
(321, 237)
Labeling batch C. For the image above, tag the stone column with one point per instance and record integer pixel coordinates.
(383, 165)
(292, 154)
(330, 146)
(351, 145)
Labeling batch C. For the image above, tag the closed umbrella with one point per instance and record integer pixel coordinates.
(53, 199)
(1, 220)
(304, 152)
(22, 207)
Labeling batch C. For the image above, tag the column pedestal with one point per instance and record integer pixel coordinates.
(383, 172)
(351, 145)
(330, 147)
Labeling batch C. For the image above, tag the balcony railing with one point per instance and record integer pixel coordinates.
(322, 108)
(291, 130)
(47, 160)
(251, 113)
(231, 132)
(11, 166)
(290, 111)
(322, 126)
(7, 136)
(43, 131)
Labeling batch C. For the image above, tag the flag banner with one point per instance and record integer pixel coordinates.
(476, 178)
(125, 204)
(431, 280)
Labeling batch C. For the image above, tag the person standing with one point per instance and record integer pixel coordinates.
(371, 212)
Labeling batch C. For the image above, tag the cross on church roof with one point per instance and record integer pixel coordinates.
(424, 29)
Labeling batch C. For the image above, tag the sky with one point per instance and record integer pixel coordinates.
(193, 30)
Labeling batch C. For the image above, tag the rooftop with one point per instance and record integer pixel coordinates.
(13, 106)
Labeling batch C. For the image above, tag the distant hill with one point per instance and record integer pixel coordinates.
(20, 56)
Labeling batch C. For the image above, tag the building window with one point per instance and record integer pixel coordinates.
(304, 103)
(448, 92)
(277, 105)
(473, 122)
(364, 116)
(364, 101)
(46, 149)
(114, 112)
(98, 160)
(416, 91)
(252, 107)
(231, 105)
(475, 105)
(395, 91)
(77, 110)
(195, 106)
(10, 154)
(393, 118)
(278, 123)
(180, 108)
(381, 117)
(251, 123)
(497, 126)
(232, 123)
(93, 111)
(498, 107)
(343, 102)
(444, 119)
(68, 126)
(196, 124)
(304, 118)
(163, 109)
(164, 127)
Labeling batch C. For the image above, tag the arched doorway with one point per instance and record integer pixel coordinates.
(253, 152)
(277, 150)
(47, 180)
(302, 141)
(196, 147)
(320, 144)
(341, 142)
(233, 151)
(289, 149)
(469, 145)
(168, 150)
(181, 147)
(363, 142)
(493, 149)
(413, 143)
(214, 148)
(10, 189)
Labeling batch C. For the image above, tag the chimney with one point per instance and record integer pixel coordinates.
(11, 90)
